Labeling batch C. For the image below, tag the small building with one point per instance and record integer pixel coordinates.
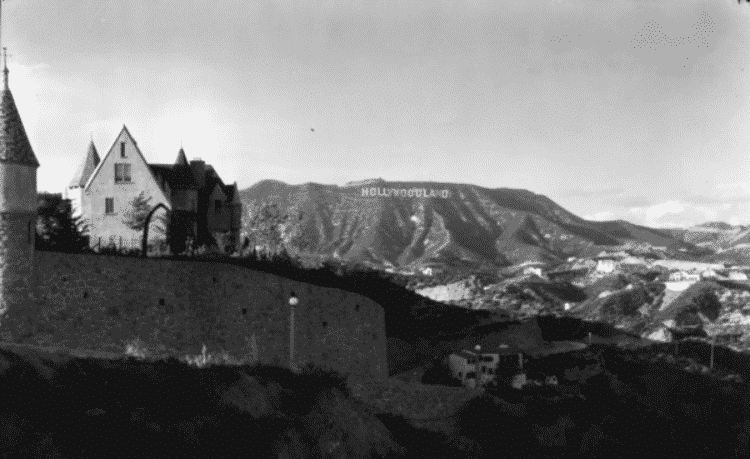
(737, 275)
(605, 265)
(631, 260)
(709, 274)
(533, 270)
(683, 276)
(477, 367)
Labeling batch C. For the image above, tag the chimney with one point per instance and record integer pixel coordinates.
(199, 171)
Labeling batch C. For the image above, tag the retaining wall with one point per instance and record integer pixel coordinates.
(174, 307)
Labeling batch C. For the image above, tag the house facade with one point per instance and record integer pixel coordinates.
(202, 208)
(477, 368)
(605, 265)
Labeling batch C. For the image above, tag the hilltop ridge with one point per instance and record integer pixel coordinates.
(420, 223)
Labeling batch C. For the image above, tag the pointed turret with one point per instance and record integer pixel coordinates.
(182, 173)
(14, 144)
(86, 168)
(18, 207)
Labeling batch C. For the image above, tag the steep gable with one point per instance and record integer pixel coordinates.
(105, 222)
(111, 158)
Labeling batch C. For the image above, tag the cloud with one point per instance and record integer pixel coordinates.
(600, 216)
(680, 213)
(655, 212)
(734, 192)
(592, 192)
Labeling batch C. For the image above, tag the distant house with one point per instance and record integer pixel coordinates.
(709, 274)
(683, 276)
(477, 367)
(533, 270)
(737, 275)
(605, 265)
(633, 261)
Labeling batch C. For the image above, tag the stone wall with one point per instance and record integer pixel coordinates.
(16, 255)
(174, 307)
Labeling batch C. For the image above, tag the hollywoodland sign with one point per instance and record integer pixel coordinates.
(404, 193)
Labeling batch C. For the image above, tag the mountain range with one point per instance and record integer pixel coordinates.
(413, 224)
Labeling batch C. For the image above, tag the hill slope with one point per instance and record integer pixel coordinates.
(472, 226)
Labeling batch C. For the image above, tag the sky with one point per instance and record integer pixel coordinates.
(615, 109)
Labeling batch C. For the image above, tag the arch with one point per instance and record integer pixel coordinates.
(144, 242)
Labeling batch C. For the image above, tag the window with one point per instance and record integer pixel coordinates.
(471, 374)
(122, 173)
(122, 149)
(109, 205)
(217, 206)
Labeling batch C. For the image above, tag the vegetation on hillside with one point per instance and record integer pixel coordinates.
(56, 227)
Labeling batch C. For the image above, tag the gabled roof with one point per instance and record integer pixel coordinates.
(138, 150)
(14, 143)
(86, 168)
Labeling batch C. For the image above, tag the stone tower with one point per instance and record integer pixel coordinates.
(18, 204)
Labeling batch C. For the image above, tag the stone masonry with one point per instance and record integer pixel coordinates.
(174, 307)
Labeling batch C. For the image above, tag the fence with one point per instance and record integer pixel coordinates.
(132, 246)
(125, 245)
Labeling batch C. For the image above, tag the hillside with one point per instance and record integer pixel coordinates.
(471, 227)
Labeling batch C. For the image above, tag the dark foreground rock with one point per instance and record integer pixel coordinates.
(608, 402)
(64, 407)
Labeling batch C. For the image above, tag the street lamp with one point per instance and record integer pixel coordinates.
(293, 301)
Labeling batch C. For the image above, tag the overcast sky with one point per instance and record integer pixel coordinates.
(627, 109)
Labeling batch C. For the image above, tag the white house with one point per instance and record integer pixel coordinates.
(682, 276)
(533, 270)
(477, 367)
(737, 275)
(605, 265)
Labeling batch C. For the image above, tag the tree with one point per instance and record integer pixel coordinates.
(271, 229)
(56, 227)
(135, 217)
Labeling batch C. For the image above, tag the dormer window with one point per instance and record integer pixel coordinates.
(122, 149)
(217, 206)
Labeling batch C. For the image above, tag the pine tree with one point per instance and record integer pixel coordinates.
(135, 217)
(56, 227)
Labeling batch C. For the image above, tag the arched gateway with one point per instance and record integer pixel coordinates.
(144, 242)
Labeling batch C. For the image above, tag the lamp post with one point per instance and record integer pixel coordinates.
(293, 300)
